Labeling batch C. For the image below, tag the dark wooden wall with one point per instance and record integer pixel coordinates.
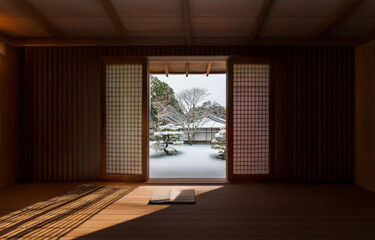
(364, 174)
(314, 114)
(11, 115)
(314, 108)
(62, 114)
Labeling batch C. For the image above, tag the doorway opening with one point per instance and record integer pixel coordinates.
(187, 117)
(126, 134)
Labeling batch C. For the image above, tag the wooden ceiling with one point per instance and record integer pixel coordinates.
(180, 22)
(187, 65)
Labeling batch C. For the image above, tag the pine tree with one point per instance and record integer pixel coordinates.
(220, 143)
(166, 135)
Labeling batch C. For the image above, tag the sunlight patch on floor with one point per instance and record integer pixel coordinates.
(129, 207)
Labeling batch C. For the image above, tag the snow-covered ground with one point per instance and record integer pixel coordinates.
(196, 161)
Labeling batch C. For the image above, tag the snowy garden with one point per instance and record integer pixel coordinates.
(176, 121)
(196, 161)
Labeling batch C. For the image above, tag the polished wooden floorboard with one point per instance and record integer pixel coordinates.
(223, 211)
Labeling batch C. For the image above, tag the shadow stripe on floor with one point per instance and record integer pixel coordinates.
(54, 219)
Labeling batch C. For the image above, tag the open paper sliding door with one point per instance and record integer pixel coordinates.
(250, 113)
(125, 119)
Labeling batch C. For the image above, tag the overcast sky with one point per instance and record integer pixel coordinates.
(215, 83)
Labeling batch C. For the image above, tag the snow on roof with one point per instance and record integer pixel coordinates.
(217, 119)
(214, 122)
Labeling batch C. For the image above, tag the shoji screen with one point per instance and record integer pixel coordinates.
(125, 94)
(250, 132)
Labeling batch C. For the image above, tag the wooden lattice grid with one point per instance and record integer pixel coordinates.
(124, 119)
(251, 119)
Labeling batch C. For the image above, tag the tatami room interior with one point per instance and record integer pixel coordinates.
(321, 178)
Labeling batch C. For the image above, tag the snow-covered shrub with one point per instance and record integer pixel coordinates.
(167, 134)
(220, 143)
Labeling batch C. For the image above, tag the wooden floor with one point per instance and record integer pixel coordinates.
(226, 211)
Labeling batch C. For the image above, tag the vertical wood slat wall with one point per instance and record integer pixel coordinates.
(11, 115)
(314, 114)
(313, 108)
(62, 114)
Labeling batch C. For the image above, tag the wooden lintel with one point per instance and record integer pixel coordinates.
(209, 65)
(34, 42)
(38, 18)
(260, 19)
(339, 14)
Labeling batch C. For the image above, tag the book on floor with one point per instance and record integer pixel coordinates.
(173, 195)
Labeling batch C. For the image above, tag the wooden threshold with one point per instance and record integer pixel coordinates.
(186, 181)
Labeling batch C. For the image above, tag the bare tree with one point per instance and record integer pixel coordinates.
(190, 114)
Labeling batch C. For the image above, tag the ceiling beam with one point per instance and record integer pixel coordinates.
(5, 39)
(339, 14)
(166, 69)
(260, 19)
(190, 73)
(3, 48)
(38, 18)
(29, 42)
(115, 18)
(369, 37)
(187, 69)
(187, 25)
(200, 59)
(209, 65)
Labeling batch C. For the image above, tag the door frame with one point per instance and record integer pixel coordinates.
(109, 60)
